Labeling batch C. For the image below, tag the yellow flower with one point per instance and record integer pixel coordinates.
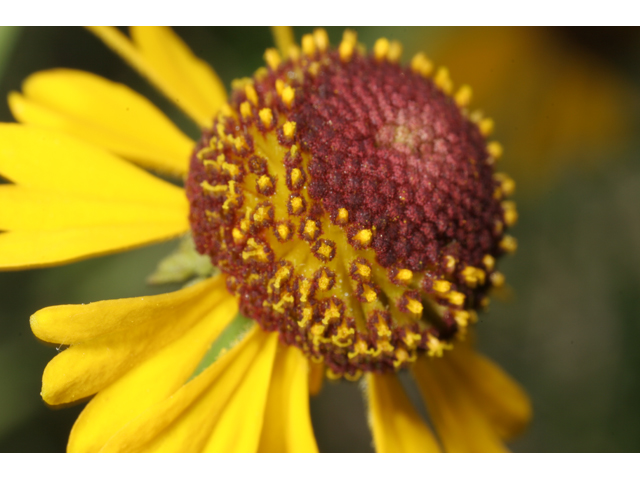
(307, 246)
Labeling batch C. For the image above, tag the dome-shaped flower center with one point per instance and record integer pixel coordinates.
(352, 205)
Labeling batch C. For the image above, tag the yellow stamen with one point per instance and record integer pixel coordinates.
(266, 116)
(297, 205)
(321, 38)
(238, 236)
(363, 237)
(404, 275)
(436, 347)
(495, 150)
(443, 80)
(463, 96)
(421, 65)
(245, 110)
(272, 57)
(473, 276)
(381, 49)
(348, 44)
(414, 306)
(441, 286)
(289, 129)
(310, 228)
(369, 294)
(363, 271)
(251, 93)
(254, 250)
(324, 282)
(509, 244)
(343, 216)
(510, 213)
(489, 262)
(264, 182)
(331, 313)
(497, 279)
(462, 318)
(507, 184)
(325, 251)
(288, 94)
(395, 51)
(279, 86)
(283, 231)
(296, 177)
(308, 45)
(307, 313)
(456, 298)
(450, 263)
(207, 187)
(486, 126)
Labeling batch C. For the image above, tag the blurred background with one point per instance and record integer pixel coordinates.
(566, 102)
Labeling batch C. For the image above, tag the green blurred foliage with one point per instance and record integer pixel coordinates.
(568, 327)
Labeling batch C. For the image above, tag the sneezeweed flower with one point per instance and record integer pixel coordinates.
(350, 205)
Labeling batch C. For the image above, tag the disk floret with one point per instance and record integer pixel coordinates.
(352, 204)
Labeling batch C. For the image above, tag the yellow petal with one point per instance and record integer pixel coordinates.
(35, 249)
(148, 383)
(51, 161)
(164, 59)
(37, 210)
(460, 424)
(284, 39)
(222, 408)
(502, 400)
(287, 425)
(104, 113)
(396, 425)
(109, 338)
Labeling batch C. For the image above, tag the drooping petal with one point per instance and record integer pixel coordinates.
(396, 425)
(222, 409)
(111, 337)
(459, 422)
(104, 113)
(159, 55)
(52, 161)
(498, 396)
(74, 201)
(148, 383)
(287, 426)
(283, 38)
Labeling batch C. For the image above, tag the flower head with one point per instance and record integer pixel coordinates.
(350, 204)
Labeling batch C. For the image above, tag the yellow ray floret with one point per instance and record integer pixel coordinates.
(287, 421)
(463, 408)
(395, 424)
(159, 55)
(221, 410)
(154, 378)
(75, 201)
(104, 113)
(109, 338)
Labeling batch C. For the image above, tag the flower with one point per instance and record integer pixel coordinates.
(311, 190)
